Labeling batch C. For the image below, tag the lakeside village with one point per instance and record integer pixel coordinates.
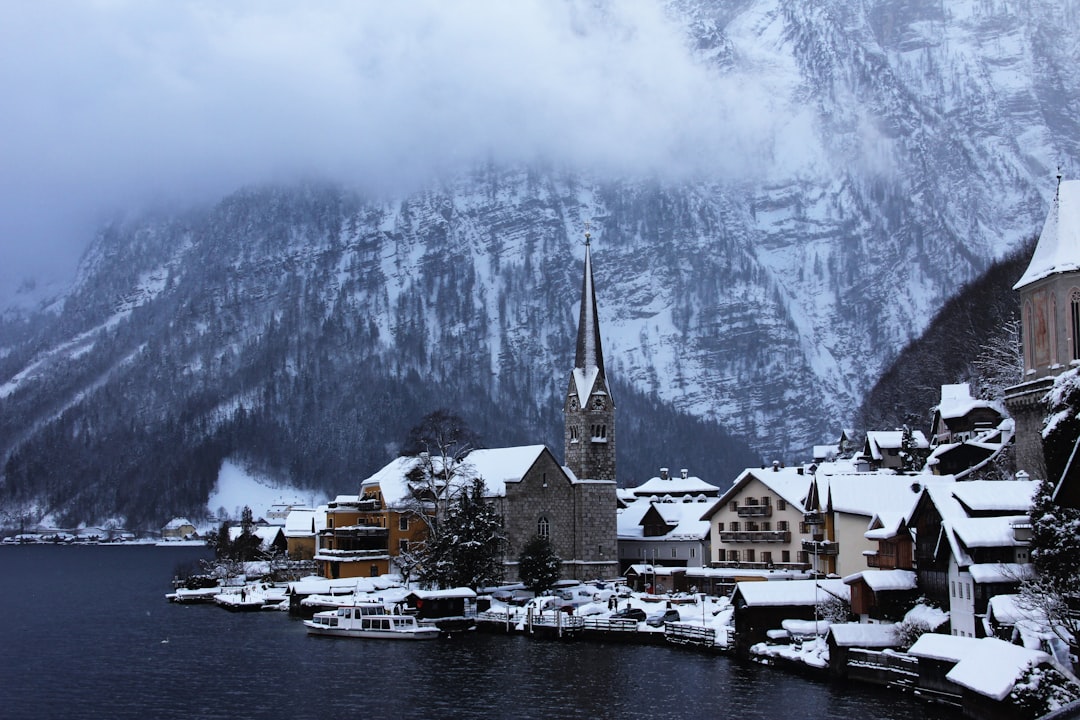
(903, 558)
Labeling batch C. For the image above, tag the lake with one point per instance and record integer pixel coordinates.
(87, 633)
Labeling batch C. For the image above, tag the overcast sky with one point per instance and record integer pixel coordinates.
(110, 104)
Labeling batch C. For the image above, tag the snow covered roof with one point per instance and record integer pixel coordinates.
(1001, 572)
(791, 592)
(949, 648)
(683, 519)
(884, 580)
(299, 522)
(1058, 249)
(177, 523)
(870, 493)
(683, 485)
(495, 466)
(458, 592)
(996, 496)
(791, 484)
(865, 635)
(993, 666)
(961, 531)
(878, 440)
(988, 531)
(266, 533)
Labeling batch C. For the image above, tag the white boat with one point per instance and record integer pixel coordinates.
(369, 620)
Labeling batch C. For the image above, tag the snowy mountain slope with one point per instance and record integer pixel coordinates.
(911, 143)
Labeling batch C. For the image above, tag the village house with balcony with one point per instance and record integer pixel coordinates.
(761, 521)
(971, 543)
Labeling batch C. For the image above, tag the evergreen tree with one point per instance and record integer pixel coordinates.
(538, 565)
(468, 550)
(1051, 599)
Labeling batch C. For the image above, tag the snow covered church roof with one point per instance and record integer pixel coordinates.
(1058, 249)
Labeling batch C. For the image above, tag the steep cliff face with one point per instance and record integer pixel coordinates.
(305, 327)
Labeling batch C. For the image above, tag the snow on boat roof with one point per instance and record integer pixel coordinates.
(319, 587)
(993, 667)
(1058, 249)
(792, 592)
(865, 635)
(458, 592)
(884, 580)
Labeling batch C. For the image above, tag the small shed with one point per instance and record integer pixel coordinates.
(763, 606)
(654, 579)
(457, 604)
(846, 637)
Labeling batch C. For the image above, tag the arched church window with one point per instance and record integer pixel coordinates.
(1074, 322)
(542, 528)
(1053, 331)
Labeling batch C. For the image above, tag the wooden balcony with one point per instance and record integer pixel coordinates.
(756, 536)
(820, 547)
(755, 511)
(814, 518)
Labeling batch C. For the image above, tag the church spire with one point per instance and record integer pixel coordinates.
(590, 354)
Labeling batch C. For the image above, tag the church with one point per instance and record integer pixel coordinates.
(1050, 322)
(572, 504)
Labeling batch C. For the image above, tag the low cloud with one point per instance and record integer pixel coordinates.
(115, 103)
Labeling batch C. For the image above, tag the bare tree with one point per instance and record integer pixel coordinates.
(1000, 362)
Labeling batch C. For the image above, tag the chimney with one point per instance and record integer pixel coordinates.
(663, 473)
(776, 466)
(683, 473)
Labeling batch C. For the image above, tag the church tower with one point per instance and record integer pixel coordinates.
(1050, 322)
(588, 408)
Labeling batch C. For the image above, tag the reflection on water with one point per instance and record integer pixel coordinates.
(87, 633)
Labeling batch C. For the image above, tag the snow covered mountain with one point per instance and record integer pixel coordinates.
(911, 144)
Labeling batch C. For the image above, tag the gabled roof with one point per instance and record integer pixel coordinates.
(791, 484)
(998, 499)
(495, 466)
(870, 493)
(791, 592)
(683, 519)
(303, 522)
(878, 440)
(865, 635)
(884, 580)
(674, 486)
(1058, 249)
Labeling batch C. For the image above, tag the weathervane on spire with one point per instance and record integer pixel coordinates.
(587, 235)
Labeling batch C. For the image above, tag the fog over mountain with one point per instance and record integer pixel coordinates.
(314, 224)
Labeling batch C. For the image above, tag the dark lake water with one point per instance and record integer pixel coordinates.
(83, 636)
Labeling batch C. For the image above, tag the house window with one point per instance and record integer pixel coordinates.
(734, 527)
(599, 433)
(733, 555)
(804, 528)
(952, 588)
(785, 556)
(734, 506)
(403, 546)
(781, 504)
(1074, 321)
(693, 553)
(767, 500)
(804, 557)
(782, 525)
(329, 522)
(766, 557)
(374, 571)
(766, 525)
(674, 552)
(542, 528)
(403, 523)
(574, 432)
(719, 527)
(749, 554)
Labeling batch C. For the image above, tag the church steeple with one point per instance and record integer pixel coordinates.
(588, 408)
(590, 353)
